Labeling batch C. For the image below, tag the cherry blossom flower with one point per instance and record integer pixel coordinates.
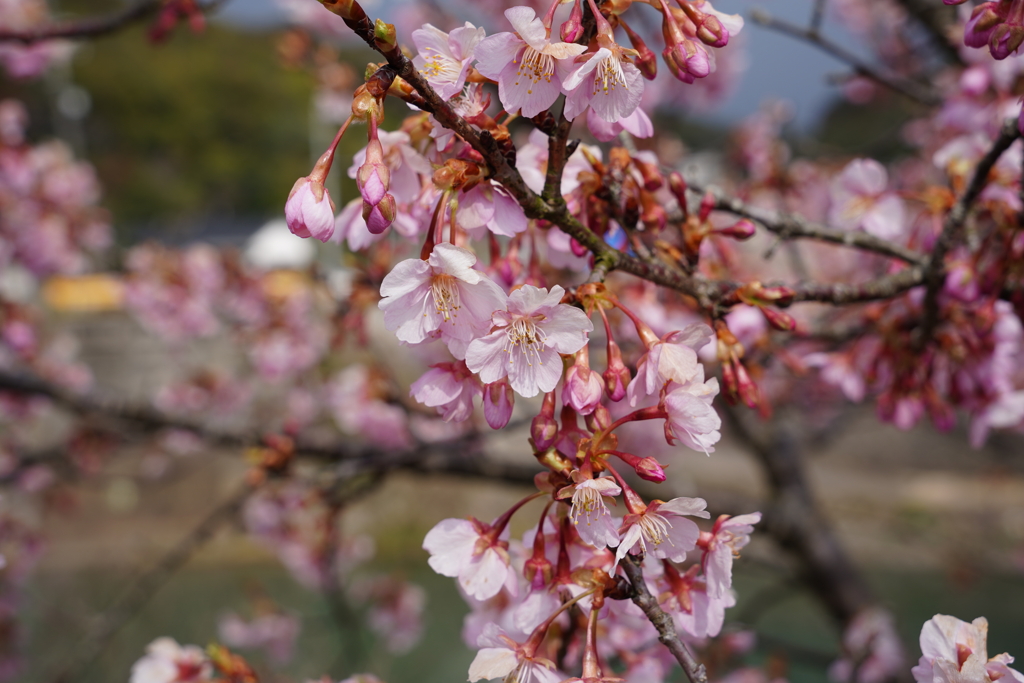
(449, 387)
(860, 200)
(691, 418)
(489, 205)
(587, 502)
(529, 67)
(661, 530)
(526, 339)
(502, 657)
(607, 81)
(670, 359)
(468, 550)
(444, 58)
(872, 650)
(953, 650)
(442, 294)
(727, 537)
(166, 661)
(274, 632)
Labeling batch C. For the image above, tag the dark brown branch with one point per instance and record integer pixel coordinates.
(643, 599)
(789, 226)
(798, 524)
(911, 89)
(935, 270)
(91, 27)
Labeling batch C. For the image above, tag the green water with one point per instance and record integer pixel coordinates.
(187, 608)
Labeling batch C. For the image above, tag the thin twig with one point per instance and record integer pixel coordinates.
(912, 89)
(92, 27)
(661, 621)
(935, 269)
(790, 226)
(817, 15)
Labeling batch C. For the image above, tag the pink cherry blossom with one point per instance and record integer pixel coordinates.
(587, 502)
(529, 67)
(466, 549)
(449, 387)
(274, 632)
(442, 294)
(726, 539)
(691, 418)
(309, 210)
(167, 662)
(527, 338)
(860, 200)
(661, 530)
(502, 657)
(672, 359)
(490, 205)
(444, 58)
(607, 82)
(953, 650)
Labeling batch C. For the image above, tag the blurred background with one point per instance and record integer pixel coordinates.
(200, 138)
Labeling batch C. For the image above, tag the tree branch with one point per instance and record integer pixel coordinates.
(935, 270)
(790, 226)
(91, 27)
(643, 599)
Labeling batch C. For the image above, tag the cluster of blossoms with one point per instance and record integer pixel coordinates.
(475, 225)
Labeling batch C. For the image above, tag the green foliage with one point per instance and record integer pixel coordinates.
(206, 124)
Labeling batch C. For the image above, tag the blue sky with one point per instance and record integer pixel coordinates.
(780, 67)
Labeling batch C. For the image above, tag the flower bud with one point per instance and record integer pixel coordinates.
(711, 32)
(583, 387)
(572, 29)
(743, 229)
(378, 218)
(617, 376)
(707, 205)
(780, 320)
(746, 387)
(543, 428)
(650, 469)
(598, 420)
(498, 401)
(349, 10)
(384, 37)
(646, 60)
(309, 210)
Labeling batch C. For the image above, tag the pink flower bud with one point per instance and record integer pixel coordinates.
(712, 33)
(309, 210)
(780, 320)
(980, 26)
(583, 387)
(572, 29)
(543, 428)
(707, 205)
(379, 217)
(617, 376)
(650, 469)
(498, 401)
(746, 387)
(743, 229)
(598, 420)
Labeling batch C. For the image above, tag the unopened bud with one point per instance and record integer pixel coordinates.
(379, 83)
(780, 320)
(746, 387)
(646, 60)
(499, 400)
(678, 186)
(781, 296)
(650, 469)
(711, 32)
(707, 205)
(543, 431)
(650, 173)
(385, 37)
(743, 229)
(617, 376)
(349, 10)
(598, 420)
(572, 29)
